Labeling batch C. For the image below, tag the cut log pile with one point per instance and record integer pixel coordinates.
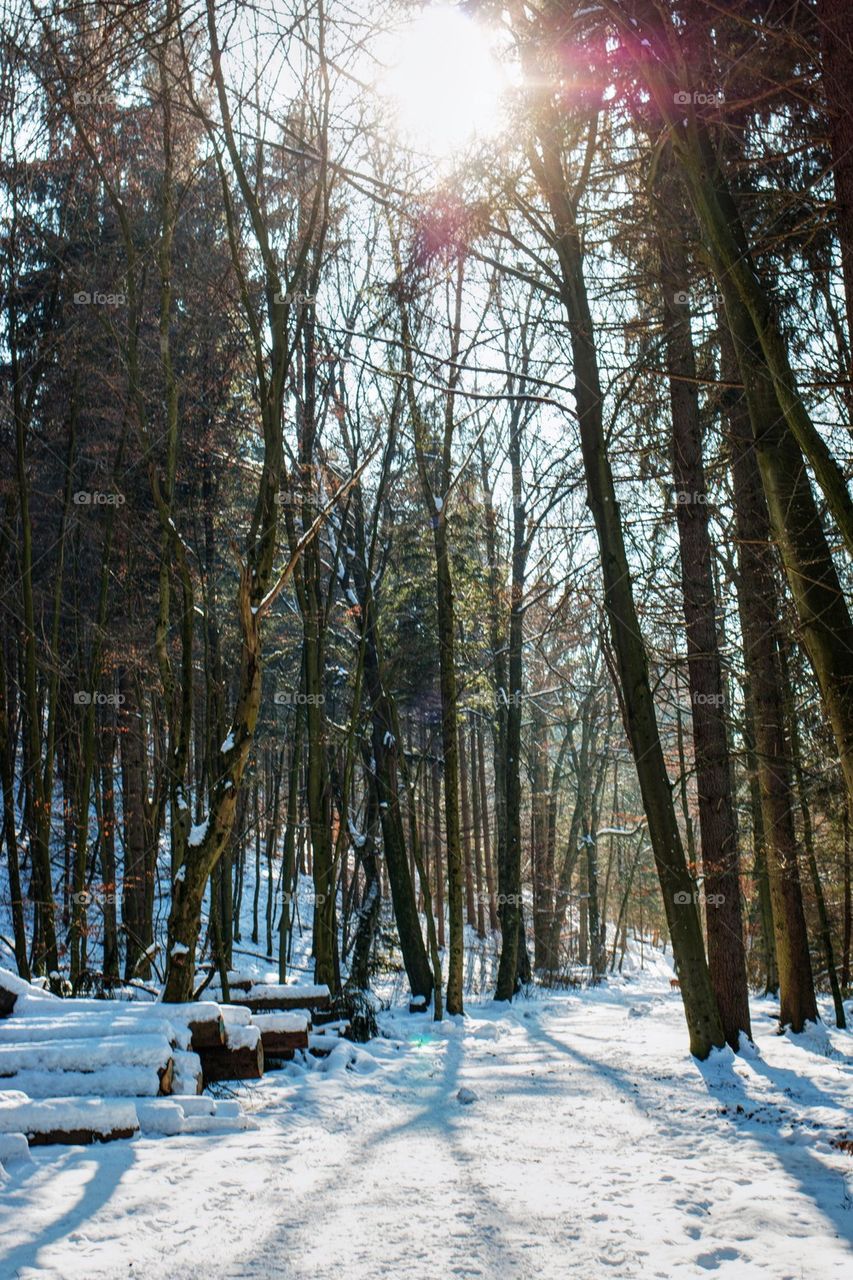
(86, 1070)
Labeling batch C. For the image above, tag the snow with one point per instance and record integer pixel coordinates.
(109, 1021)
(85, 1055)
(197, 834)
(101, 1115)
(236, 1015)
(181, 1115)
(119, 1082)
(179, 949)
(282, 1022)
(596, 1147)
(187, 1073)
(242, 1037)
(291, 991)
(14, 1148)
(17, 986)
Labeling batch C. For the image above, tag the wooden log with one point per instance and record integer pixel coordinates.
(88, 1055)
(187, 1077)
(207, 1034)
(13, 988)
(235, 1015)
(27, 1029)
(116, 1082)
(69, 1120)
(78, 1137)
(277, 1044)
(226, 1063)
(204, 1020)
(269, 998)
(166, 1076)
(323, 1016)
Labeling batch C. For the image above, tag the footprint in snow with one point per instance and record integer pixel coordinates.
(711, 1261)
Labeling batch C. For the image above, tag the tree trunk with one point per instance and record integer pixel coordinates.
(703, 1018)
(717, 821)
(759, 619)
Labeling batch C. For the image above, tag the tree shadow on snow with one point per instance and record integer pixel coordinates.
(109, 1163)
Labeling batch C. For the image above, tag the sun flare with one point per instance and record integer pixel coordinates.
(445, 83)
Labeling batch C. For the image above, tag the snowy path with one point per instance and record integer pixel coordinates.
(595, 1148)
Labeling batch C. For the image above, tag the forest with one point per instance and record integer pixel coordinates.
(426, 605)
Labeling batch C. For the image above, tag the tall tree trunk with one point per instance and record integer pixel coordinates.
(477, 821)
(509, 874)
(700, 1007)
(7, 778)
(808, 840)
(288, 857)
(386, 751)
(542, 905)
(759, 620)
(835, 19)
(488, 864)
(848, 901)
(467, 832)
(717, 821)
(107, 824)
(137, 859)
(759, 845)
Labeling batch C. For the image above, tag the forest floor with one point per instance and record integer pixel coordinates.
(593, 1146)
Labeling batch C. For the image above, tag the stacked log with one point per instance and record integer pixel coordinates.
(282, 1033)
(240, 1058)
(267, 997)
(70, 1120)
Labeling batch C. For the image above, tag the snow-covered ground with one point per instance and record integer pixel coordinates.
(585, 1142)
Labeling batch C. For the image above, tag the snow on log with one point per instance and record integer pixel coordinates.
(282, 1022)
(235, 1015)
(13, 1148)
(117, 1082)
(188, 1076)
(69, 1120)
(282, 1033)
(13, 989)
(240, 1058)
(192, 1115)
(236, 981)
(89, 1055)
(322, 1040)
(160, 1115)
(277, 996)
(91, 1025)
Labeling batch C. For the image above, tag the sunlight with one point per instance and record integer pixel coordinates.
(445, 83)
